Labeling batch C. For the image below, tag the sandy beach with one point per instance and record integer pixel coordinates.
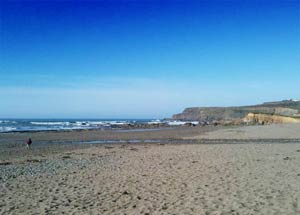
(273, 131)
(195, 178)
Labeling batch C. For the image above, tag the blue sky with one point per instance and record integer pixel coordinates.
(145, 59)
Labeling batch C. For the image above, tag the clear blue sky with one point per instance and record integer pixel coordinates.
(145, 59)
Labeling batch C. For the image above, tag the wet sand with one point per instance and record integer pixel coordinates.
(12, 145)
(124, 134)
(198, 178)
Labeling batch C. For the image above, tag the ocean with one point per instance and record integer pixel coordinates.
(10, 125)
(14, 125)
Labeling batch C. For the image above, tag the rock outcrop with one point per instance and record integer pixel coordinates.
(270, 112)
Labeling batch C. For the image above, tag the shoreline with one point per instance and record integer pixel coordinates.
(98, 134)
(12, 145)
(121, 128)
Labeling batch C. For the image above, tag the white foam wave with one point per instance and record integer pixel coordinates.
(50, 123)
(153, 122)
(90, 123)
(6, 129)
(171, 123)
(176, 123)
(7, 121)
(118, 123)
(83, 124)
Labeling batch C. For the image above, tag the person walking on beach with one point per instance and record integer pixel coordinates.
(28, 143)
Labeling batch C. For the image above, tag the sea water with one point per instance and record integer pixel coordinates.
(13, 125)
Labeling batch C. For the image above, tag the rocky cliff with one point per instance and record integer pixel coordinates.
(286, 108)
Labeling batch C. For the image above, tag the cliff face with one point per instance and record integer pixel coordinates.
(287, 108)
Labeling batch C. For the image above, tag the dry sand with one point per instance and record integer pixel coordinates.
(157, 179)
(275, 131)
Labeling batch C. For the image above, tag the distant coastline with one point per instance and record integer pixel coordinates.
(285, 111)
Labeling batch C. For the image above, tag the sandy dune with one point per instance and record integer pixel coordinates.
(158, 179)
